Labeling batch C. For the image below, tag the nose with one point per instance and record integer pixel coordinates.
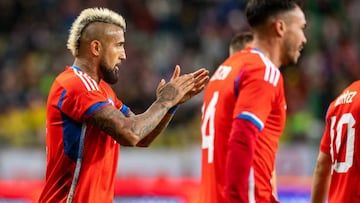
(304, 40)
(123, 55)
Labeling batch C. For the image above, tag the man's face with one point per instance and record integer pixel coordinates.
(113, 54)
(295, 38)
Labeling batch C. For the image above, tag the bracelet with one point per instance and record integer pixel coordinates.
(173, 109)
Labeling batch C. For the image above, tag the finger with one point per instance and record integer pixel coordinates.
(200, 72)
(200, 85)
(161, 84)
(185, 82)
(201, 81)
(176, 72)
(202, 77)
(182, 79)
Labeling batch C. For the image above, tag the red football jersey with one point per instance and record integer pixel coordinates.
(340, 143)
(81, 160)
(248, 86)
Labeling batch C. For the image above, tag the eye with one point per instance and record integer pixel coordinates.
(121, 44)
(304, 26)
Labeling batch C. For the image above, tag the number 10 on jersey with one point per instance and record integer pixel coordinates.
(341, 140)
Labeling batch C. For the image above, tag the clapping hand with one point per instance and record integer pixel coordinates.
(200, 79)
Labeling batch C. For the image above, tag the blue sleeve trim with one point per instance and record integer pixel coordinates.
(95, 107)
(173, 109)
(236, 86)
(61, 100)
(125, 110)
(236, 83)
(253, 119)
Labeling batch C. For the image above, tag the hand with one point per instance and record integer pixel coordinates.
(201, 78)
(176, 74)
(178, 86)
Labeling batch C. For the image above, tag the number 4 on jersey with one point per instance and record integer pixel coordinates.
(207, 127)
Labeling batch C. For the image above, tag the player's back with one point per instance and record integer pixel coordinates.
(343, 145)
(220, 108)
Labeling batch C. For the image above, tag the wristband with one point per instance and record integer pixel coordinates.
(173, 109)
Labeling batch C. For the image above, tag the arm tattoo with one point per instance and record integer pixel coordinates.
(152, 122)
(127, 130)
(107, 120)
(148, 139)
(168, 93)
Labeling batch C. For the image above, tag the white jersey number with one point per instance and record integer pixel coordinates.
(336, 133)
(207, 127)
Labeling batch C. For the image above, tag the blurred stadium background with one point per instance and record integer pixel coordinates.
(161, 34)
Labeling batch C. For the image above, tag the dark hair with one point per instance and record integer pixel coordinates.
(258, 11)
(240, 40)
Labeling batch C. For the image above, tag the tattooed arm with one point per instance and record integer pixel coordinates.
(130, 130)
(148, 139)
(201, 78)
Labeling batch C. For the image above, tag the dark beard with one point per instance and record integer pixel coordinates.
(109, 75)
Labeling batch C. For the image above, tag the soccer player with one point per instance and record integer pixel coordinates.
(244, 107)
(337, 170)
(240, 41)
(86, 122)
(237, 43)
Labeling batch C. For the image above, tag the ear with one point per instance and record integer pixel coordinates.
(280, 27)
(95, 47)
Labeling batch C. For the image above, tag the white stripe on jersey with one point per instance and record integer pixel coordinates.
(89, 83)
(251, 191)
(92, 82)
(272, 74)
(79, 159)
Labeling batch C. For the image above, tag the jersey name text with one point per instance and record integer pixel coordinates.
(221, 73)
(345, 98)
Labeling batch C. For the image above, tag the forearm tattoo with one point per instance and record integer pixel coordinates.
(149, 121)
(156, 131)
(122, 128)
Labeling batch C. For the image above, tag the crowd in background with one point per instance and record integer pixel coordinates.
(159, 35)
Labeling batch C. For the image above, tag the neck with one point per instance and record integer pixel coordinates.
(270, 47)
(87, 67)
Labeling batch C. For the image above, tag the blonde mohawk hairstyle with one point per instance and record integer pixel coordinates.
(87, 17)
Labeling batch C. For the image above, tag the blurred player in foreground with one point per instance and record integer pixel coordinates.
(239, 42)
(86, 122)
(337, 170)
(244, 107)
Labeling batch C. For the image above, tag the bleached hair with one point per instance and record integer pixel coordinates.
(87, 17)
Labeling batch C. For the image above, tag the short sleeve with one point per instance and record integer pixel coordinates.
(255, 97)
(79, 106)
(325, 140)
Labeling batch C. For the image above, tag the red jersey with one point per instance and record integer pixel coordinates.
(247, 86)
(81, 160)
(340, 142)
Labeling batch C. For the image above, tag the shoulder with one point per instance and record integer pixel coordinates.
(349, 95)
(76, 81)
(255, 65)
